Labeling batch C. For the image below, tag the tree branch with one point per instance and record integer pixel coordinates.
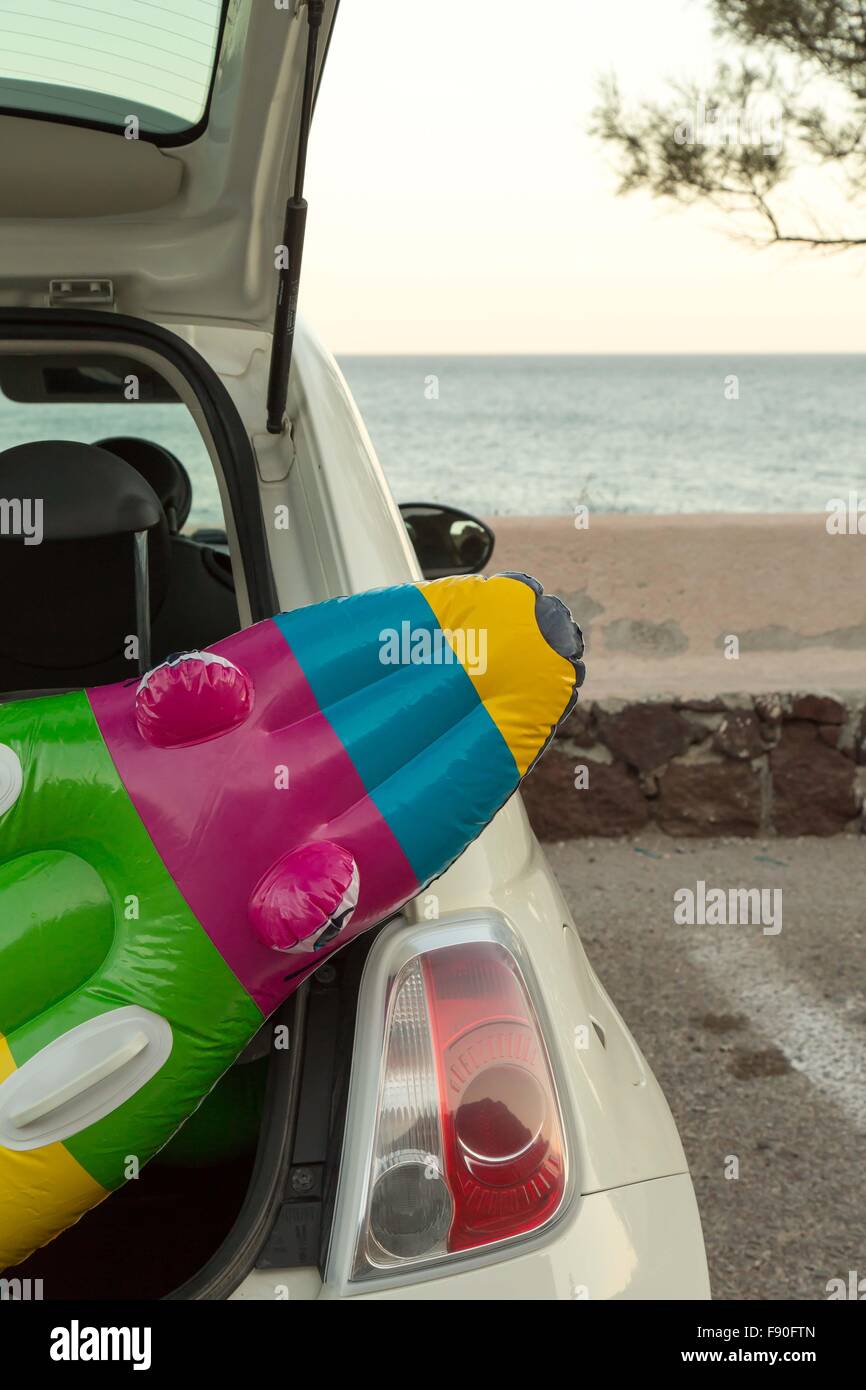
(660, 149)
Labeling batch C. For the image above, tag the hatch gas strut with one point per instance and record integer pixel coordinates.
(293, 241)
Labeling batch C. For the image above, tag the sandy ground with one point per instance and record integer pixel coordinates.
(759, 1041)
(657, 596)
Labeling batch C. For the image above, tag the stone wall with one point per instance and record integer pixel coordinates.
(784, 764)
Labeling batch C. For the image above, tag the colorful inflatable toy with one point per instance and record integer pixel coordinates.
(178, 853)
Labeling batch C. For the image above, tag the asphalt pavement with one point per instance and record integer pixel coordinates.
(756, 1035)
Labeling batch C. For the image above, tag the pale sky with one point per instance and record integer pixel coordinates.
(457, 204)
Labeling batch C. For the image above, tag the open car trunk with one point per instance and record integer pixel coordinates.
(249, 1180)
(167, 203)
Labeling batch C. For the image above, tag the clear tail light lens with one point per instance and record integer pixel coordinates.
(410, 1205)
(469, 1143)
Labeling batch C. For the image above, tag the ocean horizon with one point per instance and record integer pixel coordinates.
(652, 433)
(504, 435)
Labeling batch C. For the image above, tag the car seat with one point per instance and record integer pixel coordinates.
(201, 607)
(69, 593)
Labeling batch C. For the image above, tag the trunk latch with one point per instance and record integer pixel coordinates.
(65, 292)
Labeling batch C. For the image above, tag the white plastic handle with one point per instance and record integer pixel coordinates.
(82, 1076)
(11, 777)
(52, 1100)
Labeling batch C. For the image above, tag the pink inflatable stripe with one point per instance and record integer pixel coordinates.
(201, 806)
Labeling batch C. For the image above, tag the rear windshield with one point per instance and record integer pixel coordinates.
(144, 66)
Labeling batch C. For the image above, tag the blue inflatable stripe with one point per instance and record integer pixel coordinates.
(461, 780)
(338, 644)
(416, 731)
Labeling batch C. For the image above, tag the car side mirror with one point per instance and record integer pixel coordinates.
(446, 540)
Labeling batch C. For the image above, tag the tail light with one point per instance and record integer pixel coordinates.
(468, 1147)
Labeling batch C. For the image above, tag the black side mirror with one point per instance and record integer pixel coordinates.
(446, 540)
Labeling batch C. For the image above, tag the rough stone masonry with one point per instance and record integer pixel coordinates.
(783, 764)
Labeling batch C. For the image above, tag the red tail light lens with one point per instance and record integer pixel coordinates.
(503, 1149)
(469, 1145)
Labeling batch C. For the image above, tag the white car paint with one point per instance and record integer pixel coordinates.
(641, 1242)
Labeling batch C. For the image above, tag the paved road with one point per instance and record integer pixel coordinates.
(758, 1040)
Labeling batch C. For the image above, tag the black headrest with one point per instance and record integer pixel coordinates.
(77, 491)
(70, 566)
(165, 473)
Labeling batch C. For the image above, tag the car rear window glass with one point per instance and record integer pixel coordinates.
(142, 66)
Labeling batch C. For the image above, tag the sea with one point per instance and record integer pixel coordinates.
(531, 436)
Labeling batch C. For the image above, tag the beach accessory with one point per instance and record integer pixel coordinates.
(178, 853)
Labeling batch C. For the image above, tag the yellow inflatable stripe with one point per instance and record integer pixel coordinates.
(42, 1191)
(524, 711)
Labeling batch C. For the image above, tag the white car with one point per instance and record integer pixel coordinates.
(461, 1113)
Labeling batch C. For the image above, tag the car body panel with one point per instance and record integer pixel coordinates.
(638, 1242)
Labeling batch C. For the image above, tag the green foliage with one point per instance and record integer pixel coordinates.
(753, 128)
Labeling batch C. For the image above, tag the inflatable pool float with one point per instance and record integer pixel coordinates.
(178, 852)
